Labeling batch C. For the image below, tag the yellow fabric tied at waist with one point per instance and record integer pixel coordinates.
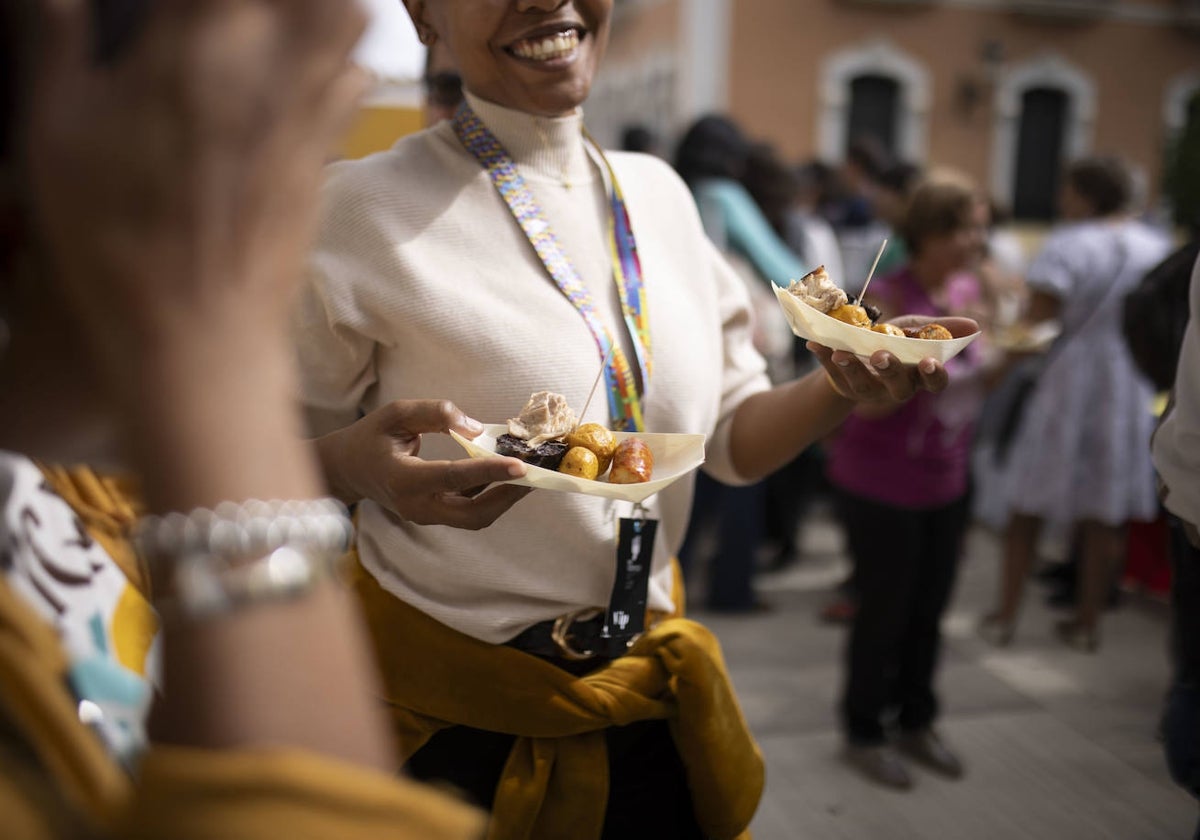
(555, 783)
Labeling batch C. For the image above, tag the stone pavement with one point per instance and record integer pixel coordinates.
(1058, 744)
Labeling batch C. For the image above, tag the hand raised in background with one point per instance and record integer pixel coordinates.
(174, 188)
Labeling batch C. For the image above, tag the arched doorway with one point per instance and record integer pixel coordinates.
(1040, 137)
(879, 88)
(1177, 100)
(1059, 93)
(874, 110)
(1181, 191)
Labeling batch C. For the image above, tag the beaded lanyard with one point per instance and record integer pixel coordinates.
(624, 403)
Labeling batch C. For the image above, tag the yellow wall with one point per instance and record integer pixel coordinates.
(377, 127)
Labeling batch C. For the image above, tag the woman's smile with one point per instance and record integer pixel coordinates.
(536, 56)
(550, 49)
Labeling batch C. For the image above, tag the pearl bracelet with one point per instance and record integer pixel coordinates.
(236, 555)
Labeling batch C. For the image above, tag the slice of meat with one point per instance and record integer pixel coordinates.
(545, 455)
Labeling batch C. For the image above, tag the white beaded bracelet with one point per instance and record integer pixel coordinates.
(240, 554)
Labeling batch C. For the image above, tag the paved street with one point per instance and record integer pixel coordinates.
(1059, 744)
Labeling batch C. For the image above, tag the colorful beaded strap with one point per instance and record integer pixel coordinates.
(624, 402)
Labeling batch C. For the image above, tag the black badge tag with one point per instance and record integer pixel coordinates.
(626, 616)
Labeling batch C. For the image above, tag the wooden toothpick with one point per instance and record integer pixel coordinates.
(592, 393)
(871, 273)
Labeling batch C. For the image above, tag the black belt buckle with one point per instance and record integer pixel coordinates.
(560, 634)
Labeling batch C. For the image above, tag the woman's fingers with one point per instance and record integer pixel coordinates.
(335, 23)
(327, 72)
(882, 377)
(64, 27)
(857, 381)
(377, 458)
(432, 477)
(340, 104)
(833, 371)
(933, 375)
(409, 418)
(442, 492)
(902, 381)
(897, 379)
(207, 133)
(476, 512)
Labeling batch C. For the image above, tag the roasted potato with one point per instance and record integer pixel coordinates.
(934, 332)
(580, 461)
(888, 329)
(850, 314)
(597, 439)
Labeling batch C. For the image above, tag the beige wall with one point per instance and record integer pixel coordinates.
(653, 27)
(637, 83)
(778, 46)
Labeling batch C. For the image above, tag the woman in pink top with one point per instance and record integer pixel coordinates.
(901, 477)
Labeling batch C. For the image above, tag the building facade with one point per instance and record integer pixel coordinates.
(1006, 90)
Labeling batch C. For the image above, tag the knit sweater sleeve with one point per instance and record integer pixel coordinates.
(744, 371)
(331, 327)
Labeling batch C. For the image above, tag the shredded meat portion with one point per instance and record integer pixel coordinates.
(818, 291)
(545, 417)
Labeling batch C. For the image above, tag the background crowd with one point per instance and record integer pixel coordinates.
(1045, 446)
(215, 346)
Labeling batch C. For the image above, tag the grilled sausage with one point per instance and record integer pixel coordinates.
(632, 463)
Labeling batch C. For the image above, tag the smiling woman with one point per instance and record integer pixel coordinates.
(535, 56)
(544, 666)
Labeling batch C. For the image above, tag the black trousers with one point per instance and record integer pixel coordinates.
(905, 565)
(648, 795)
(1181, 718)
(739, 516)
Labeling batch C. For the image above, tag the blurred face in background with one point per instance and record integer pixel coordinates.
(959, 248)
(536, 56)
(1072, 206)
(889, 205)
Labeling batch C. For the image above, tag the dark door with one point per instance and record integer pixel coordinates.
(874, 110)
(1039, 153)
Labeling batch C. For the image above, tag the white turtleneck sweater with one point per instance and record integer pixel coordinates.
(423, 286)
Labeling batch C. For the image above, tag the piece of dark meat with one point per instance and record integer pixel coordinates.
(548, 456)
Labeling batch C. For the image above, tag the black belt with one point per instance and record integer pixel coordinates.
(567, 637)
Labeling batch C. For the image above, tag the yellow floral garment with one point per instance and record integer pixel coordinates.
(58, 781)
